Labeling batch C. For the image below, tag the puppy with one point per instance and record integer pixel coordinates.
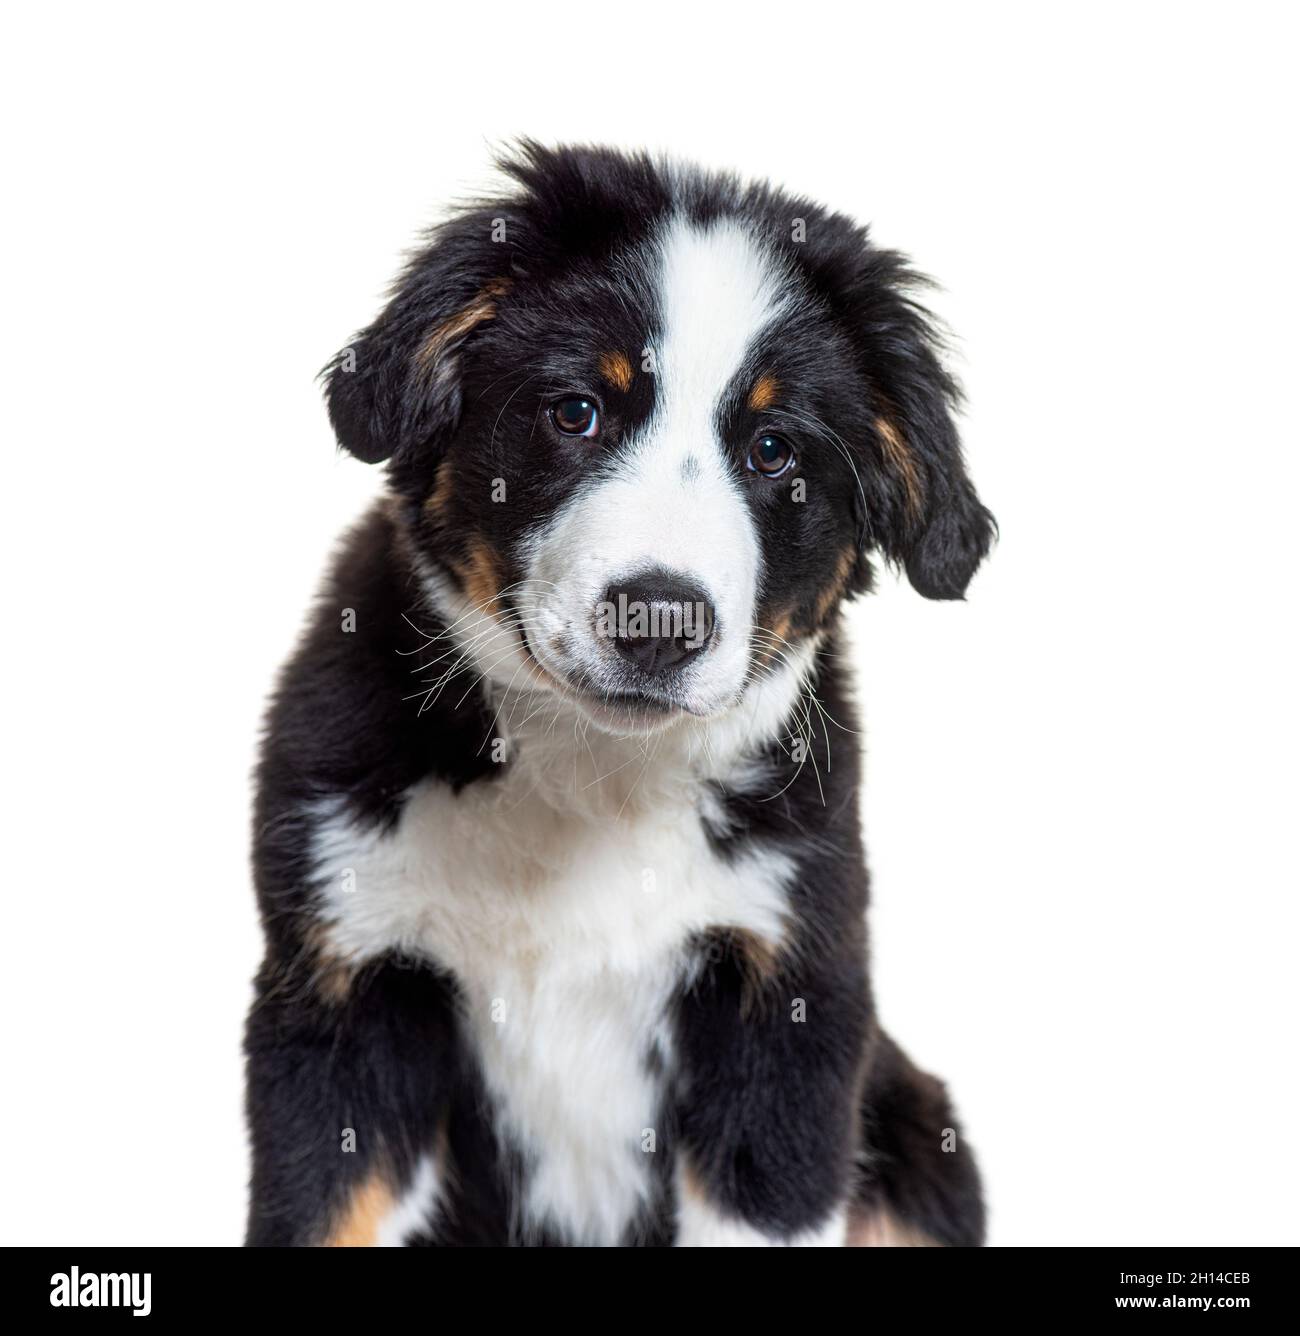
(564, 901)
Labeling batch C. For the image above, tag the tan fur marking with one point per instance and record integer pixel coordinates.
(831, 593)
(759, 954)
(438, 499)
(760, 961)
(332, 976)
(358, 1224)
(317, 967)
(901, 459)
(771, 644)
(616, 369)
(454, 328)
(690, 1183)
(883, 1229)
(763, 395)
(481, 575)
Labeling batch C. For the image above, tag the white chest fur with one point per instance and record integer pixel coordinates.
(563, 911)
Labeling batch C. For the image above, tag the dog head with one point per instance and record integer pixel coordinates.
(646, 426)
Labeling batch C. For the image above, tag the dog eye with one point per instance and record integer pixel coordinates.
(575, 417)
(772, 456)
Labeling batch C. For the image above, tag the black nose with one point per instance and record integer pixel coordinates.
(657, 620)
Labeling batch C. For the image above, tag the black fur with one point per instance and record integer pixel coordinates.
(774, 1118)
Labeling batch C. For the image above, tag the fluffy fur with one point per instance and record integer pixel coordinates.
(566, 940)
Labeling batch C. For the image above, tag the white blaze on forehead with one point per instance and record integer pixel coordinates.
(673, 499)
(718, 291)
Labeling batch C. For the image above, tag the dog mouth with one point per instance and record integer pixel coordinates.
(637, 708)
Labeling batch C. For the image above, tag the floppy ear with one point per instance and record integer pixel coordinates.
(935, 525)
(396, 386)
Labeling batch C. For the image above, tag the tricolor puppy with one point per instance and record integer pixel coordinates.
(557, 839)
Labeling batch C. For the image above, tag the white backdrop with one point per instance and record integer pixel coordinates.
(1081, 784)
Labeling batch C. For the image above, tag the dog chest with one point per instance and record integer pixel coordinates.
(568, 934)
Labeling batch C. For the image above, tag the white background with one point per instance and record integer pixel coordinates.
(1081, 791)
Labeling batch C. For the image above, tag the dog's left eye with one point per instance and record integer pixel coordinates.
(771, 456)
(575, 417)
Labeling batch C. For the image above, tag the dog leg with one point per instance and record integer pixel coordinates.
(345, 1093)
(768, 1119)
(918, 1185)
(700, 1224)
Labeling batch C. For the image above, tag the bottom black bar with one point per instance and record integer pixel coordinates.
(76, 1285)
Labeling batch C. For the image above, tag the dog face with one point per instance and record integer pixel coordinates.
(646, 426)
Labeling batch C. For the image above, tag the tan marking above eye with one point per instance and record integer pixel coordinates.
(903, 462)
(617, 369)
(763, 395)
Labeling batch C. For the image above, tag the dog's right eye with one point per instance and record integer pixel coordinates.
(575, 417)
(772, 456)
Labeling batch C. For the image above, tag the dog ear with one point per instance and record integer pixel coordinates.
(933, 523)
(397, 385)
